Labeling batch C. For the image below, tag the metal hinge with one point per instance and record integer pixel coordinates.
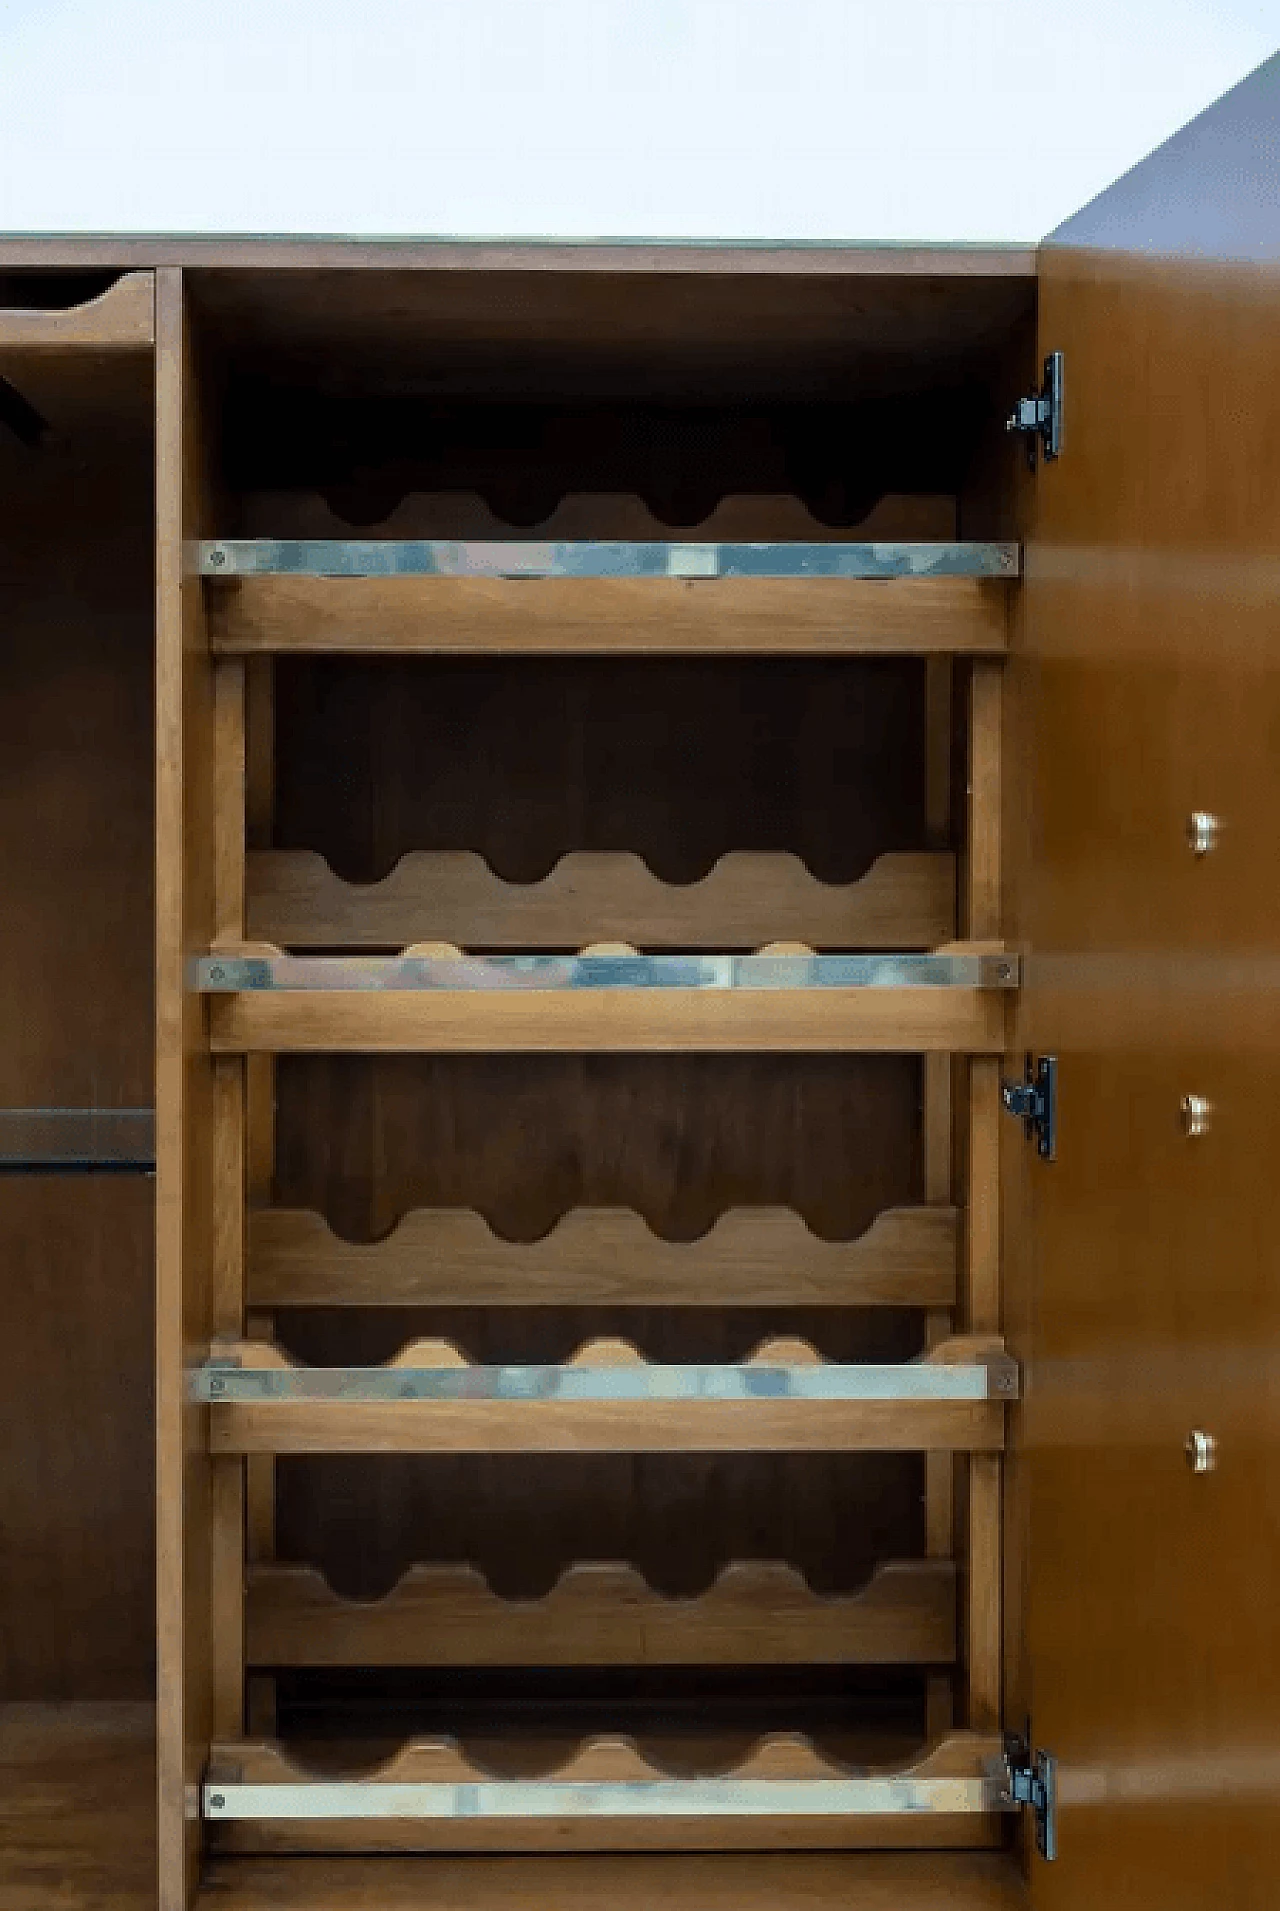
(1032, 1780)
(1034, 1102)
(1040, 415)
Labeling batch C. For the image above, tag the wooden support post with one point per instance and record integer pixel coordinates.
(982, 1201)
(227, 1562)
(260, 1149)
(185, 1102)
(227, 1550)
(939, 1467)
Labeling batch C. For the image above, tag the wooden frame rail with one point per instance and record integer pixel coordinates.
(748, 899)
(607, 1399)
(599, 598)
(905, 1021)
(122, 318)
(605, 1613)
(435, 1000)
(750, 1257)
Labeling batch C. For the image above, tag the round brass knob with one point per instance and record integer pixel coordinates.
(1203, 831)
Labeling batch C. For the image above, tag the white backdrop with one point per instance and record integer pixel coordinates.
(855, 119)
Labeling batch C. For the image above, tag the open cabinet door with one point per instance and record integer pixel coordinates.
(1151, 914)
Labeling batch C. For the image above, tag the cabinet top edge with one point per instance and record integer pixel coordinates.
(792, 257)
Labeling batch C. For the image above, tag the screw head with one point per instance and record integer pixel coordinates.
(1203, 831)
(1201, 1451)
(217, 555)
(217, 1385)
(1197, 1115)
(216, 1801)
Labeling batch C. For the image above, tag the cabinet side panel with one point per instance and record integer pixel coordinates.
(184, 1100)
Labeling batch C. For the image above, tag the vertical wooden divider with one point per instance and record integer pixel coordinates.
(260, 1148)
(982, 1203)
(227, 1562)
(939, 1467)
(185, 1108)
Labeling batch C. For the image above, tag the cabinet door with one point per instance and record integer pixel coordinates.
(1151, 675)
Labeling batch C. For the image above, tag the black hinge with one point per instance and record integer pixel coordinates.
(1040, 415)
(1034, 1101)
(1033, 1782)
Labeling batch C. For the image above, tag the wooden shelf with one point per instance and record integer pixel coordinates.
(609, 1796)
(904, 1021)
(747, 900)
(756, 1612)
(752, 1257)
(120, 319)
(607, 1400)
(608, 599)
(434, 1000)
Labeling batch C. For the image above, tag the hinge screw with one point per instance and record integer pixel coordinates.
(1197, 1113)
(217, 555)
(1203, 831)
(1202, 1451)
(216, 1802)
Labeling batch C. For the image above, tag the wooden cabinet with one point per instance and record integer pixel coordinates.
(642, 758)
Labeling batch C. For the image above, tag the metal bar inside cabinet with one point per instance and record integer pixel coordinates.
(626, 1798)
(235, 974)
(77, 1141)
(221, 1381)
(366, 557)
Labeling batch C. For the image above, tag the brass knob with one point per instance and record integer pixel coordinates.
(1203, 830)
(1197, 1113)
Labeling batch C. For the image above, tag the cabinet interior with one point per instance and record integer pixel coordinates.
(538, 408)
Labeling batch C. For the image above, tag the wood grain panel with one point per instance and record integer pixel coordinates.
(1151, 639)
(523, 1139)
(185, 1118)
(466, 616)
(602, 1614)
(628, 1021)
(120, 319)
(484, 1426)
(983, 914)
(746, 901)
(678, 761)
(723, 1881)
(76, 1490)
(603, 1257)
(938, 1149)
(79, 1806)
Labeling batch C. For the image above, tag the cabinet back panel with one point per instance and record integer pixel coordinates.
(524, 761)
